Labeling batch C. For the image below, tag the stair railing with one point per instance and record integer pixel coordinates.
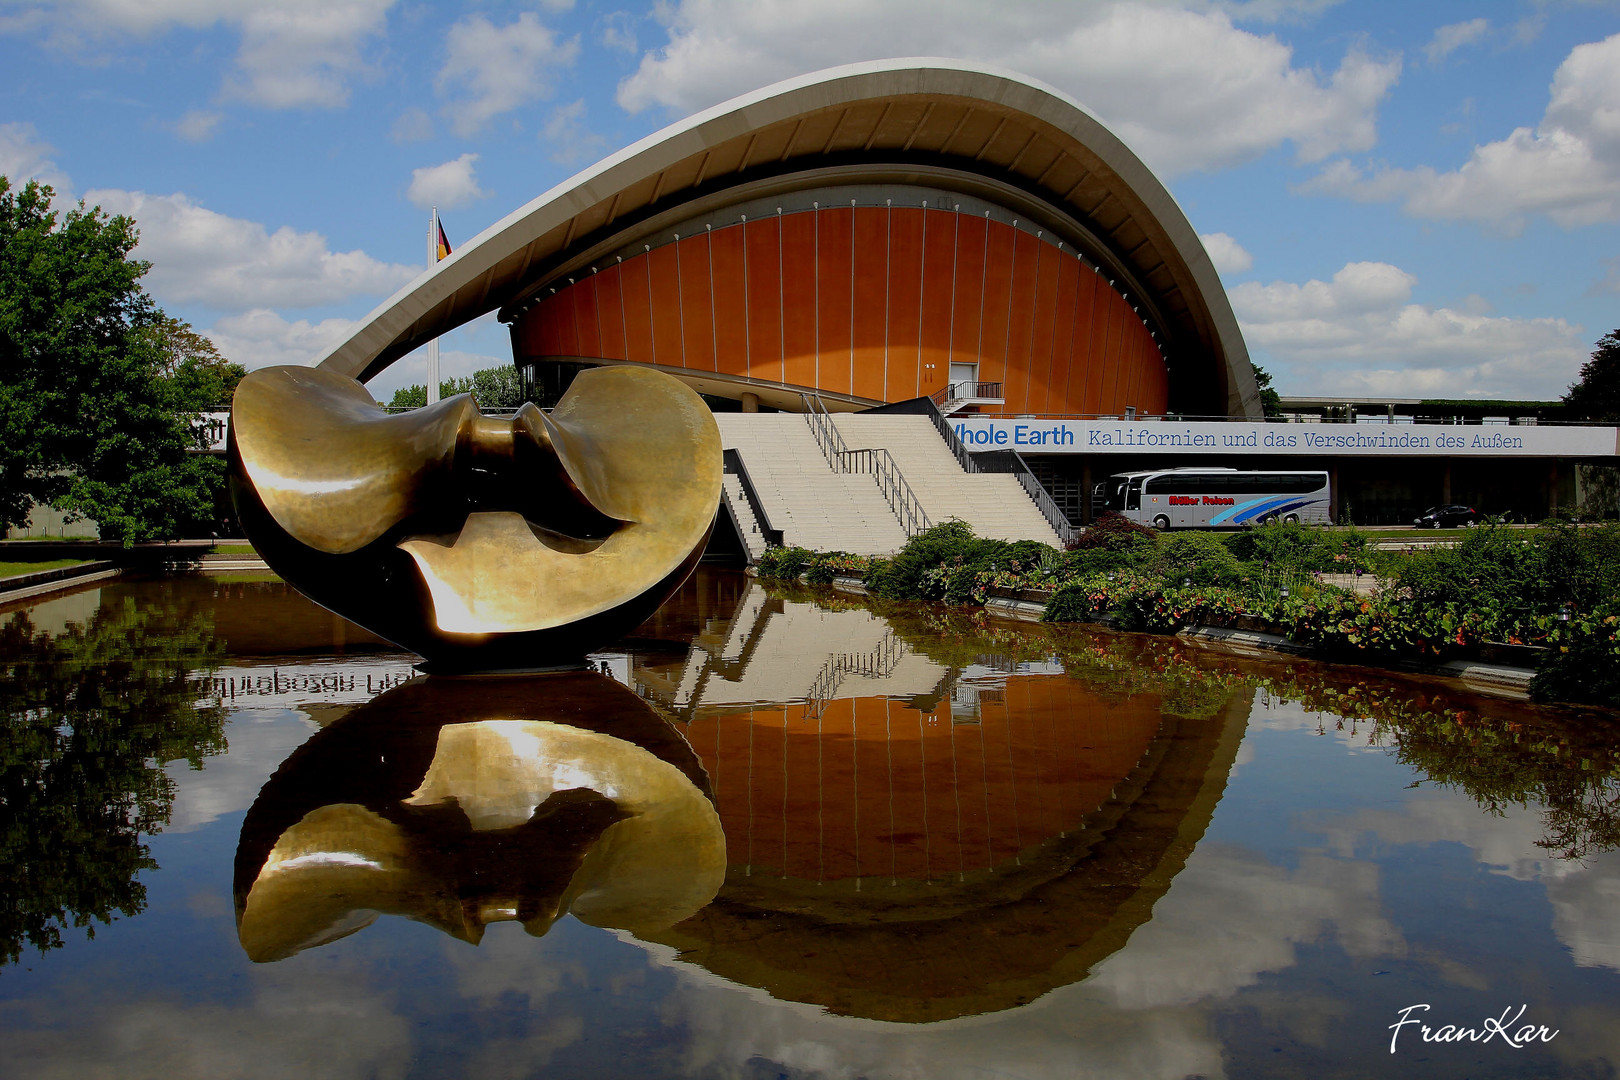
(901, 499)
(1011, 461)
(878, 463)
(731, 461)
(948, 433)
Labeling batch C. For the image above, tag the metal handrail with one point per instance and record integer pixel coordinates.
(981, 390)
(825, 431)
(963, 457)
(892, 483)
(731, 461)
(1011, 461)
(907, 508)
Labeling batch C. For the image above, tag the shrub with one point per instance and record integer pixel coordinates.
(786, 563)
(1583, 660)
(1302, 547)
(1197, 557)
(1099, 560)
(1116, 533)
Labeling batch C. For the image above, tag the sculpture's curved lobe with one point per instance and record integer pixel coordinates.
(478, 542)
(460, 803)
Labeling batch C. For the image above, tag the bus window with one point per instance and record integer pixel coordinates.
(1133, 495)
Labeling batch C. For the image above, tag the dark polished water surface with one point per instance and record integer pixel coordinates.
(782, 833)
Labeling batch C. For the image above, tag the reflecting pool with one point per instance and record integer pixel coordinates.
(781, 833)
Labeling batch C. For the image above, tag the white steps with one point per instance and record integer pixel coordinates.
(814, 507)
(820, 509)
(994, 504)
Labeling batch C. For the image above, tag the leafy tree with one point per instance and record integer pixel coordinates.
(1270, 401)
(97, 385)
(493, 388)
(1596, 394)
(193, 363)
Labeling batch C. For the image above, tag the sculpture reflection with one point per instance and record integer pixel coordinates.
(463, 802)
(480, 543)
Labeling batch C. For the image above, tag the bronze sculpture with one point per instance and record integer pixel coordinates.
(480, 543)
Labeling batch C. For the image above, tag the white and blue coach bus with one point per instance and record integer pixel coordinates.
(1214, 498)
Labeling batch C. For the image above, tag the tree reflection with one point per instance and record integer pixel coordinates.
(88, 719)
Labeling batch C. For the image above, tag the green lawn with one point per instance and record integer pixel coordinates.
(232, 549)
(12, 569)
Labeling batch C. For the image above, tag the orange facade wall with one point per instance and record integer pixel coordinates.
(876, 302)
(873, 787)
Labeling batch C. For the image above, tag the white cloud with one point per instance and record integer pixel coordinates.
(263, 338)
(1292, 11)
(202, 257)
(1360, 334)
(412, 125)
(1448, 39)
(293, 54)
(1184, 87)
(1567, 168)
(501, 67)
(1229, 256)
(1582, 893)
(565, 137)
(302, 55)
(617, 30)
(327, 1017)
(24, 156)
(197, 125)
(446, 186)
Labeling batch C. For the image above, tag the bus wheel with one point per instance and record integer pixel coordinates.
(1291, 519)
(1161, 523)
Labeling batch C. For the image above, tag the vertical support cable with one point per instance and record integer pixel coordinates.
(852, 297)
(922, 285)
(680, 301)
(652, 336)
(1012, 281)
(748, 320)
(984, 284)
(1035, 302)
(781, 298)
(888, 291)
(714, 328)
(815, 270)
(624, 319)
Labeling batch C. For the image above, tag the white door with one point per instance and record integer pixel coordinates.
(964, 380)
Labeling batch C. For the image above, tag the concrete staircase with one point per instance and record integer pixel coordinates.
(814, 506)
(753, 538)
(994, 504)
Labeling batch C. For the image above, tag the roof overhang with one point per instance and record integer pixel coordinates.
(994, 130)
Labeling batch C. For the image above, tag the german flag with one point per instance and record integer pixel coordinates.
(442, 251)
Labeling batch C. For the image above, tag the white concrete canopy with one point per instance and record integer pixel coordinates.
(992, 132)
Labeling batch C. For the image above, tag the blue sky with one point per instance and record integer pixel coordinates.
(1404, 199)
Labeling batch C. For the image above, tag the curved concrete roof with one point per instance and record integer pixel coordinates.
(990, 131)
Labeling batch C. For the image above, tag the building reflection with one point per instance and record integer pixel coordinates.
(793, 797)
(912, 840)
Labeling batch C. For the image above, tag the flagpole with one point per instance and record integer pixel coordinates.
(433, 346)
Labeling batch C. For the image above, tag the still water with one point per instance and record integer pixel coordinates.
(783, 833)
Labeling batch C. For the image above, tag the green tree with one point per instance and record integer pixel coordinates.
(1596, 394)
(1269, 399)
(193, 363)
(97, 385)
(493, 388)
